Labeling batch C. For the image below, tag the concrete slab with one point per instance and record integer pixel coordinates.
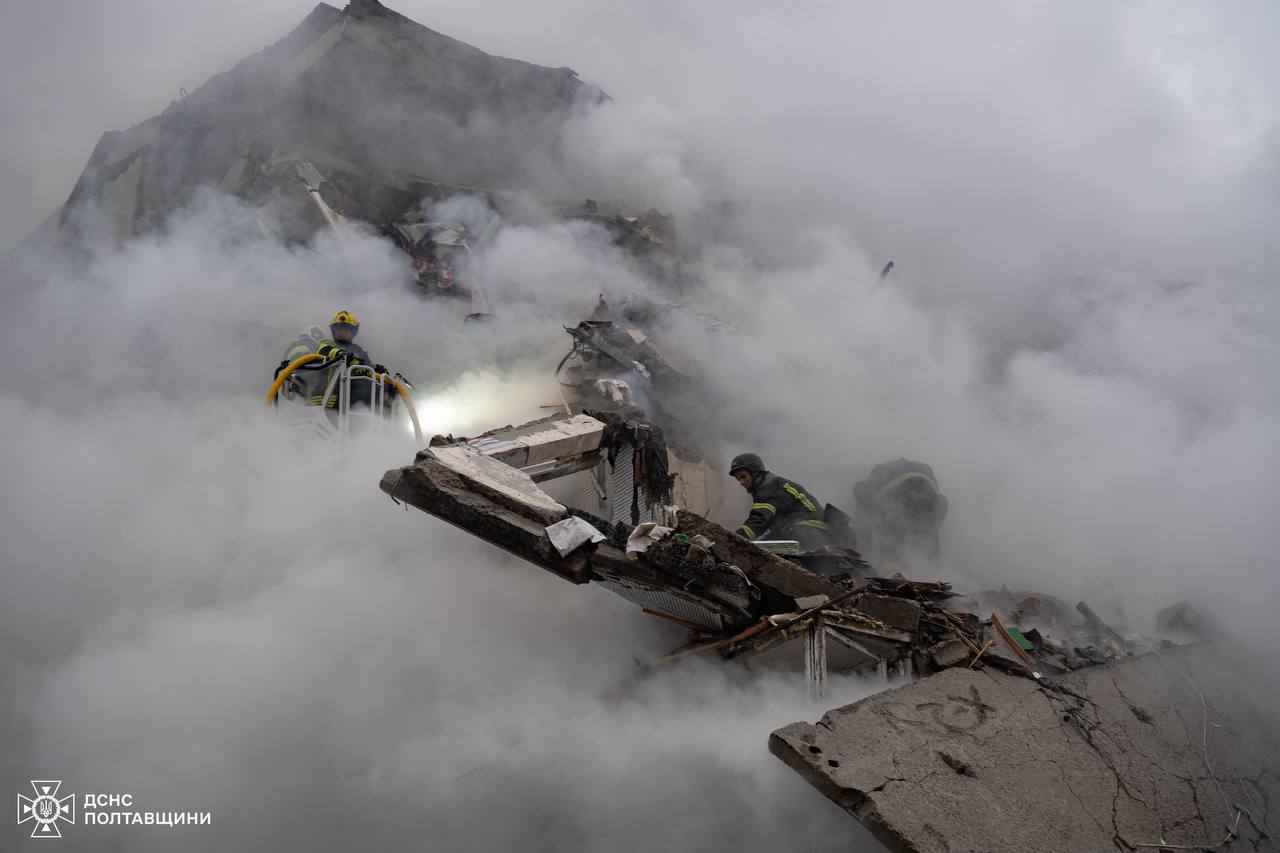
(498, 477)
(1159, 748)
(569, 437)
(900, 613)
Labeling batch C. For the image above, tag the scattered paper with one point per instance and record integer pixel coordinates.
(572, 533)
(643, 536)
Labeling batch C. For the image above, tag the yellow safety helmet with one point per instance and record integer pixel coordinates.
(345, 317)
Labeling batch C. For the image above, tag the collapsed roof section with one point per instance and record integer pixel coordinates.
(739, 597)
(1046, 733)
(489, 486)
(366, 98)
(610, 363)
(638, 233)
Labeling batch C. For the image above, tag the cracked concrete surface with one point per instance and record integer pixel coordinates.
(1104, 759)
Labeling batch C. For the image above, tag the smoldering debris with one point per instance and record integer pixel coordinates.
(825, 609)
(265, 133)
(268, 126)
(1102, 438)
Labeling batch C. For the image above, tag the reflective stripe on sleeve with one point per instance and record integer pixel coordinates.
(899, 480)
(804, 499)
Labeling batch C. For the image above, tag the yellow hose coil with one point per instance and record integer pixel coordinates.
(310, 357)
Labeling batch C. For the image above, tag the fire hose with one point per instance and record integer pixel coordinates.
(298, 363)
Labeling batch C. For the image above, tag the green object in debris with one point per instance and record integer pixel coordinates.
(680, 537)
(1020, 640)
(779, 546)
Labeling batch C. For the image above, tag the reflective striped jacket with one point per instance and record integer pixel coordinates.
(305, 343)
(331, 349)
(781, 508)
(892, 479)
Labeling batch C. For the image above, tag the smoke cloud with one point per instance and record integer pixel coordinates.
(1079, 335)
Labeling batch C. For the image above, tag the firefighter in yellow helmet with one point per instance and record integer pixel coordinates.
(343, 328)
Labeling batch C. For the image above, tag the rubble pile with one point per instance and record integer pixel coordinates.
(1021, 723)
(359, 115)
(473, 483)
(639, 234)
(688, 567)
(370, 100)
(608, 357)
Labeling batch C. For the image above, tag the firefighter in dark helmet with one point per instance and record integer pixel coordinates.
(780, 507)
(900, 510)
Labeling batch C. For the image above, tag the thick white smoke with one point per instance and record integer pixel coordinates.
(211, 616)
(1079, 335)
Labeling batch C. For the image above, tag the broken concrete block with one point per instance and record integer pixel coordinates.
(1111, 758)
(1183, 617)
(499, 478)
(900, 613)
(948, 653)
(569, 437)
(1103, 630)
(764, 569)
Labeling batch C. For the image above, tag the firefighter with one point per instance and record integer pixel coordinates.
(899, 512)
(343, 328)
(780, 507)
(305, 344)
(303, 384)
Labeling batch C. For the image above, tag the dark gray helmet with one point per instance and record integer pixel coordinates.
(749, 461)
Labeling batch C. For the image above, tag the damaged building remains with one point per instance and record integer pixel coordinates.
(1008, 721)
(1024, 723)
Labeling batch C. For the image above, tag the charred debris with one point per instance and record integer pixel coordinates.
(637, 524)
(625, 530)
(360, 116)
(636, 489)
(1020, 722)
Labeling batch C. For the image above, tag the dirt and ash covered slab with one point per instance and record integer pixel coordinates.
(1159, 749)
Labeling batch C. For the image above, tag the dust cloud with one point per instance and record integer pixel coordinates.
(1079, 335)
